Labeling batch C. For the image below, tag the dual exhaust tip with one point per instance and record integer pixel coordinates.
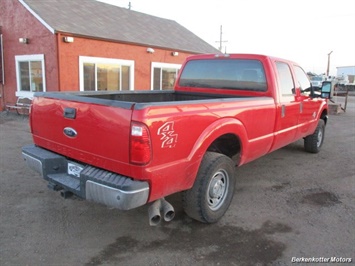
(158, 209)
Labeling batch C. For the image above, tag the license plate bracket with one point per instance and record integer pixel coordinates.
(74, 169)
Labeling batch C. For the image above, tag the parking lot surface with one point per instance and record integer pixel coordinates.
(289, 207)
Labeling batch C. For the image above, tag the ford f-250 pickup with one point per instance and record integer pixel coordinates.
(127, 149)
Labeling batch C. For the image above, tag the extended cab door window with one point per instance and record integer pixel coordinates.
(286, 85)
(288, 109)
(308, 105)
(302, 81)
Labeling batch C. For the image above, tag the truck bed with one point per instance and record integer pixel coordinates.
(130, 97)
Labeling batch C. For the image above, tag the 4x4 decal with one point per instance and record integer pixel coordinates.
(168, 136)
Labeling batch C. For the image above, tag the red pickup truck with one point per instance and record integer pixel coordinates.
(127, 149)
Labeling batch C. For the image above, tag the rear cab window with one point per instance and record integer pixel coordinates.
(233, 74)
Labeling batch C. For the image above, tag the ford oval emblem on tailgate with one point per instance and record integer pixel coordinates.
(70, 132)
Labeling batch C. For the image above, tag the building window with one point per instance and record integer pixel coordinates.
(164, 76)
(105, 74)
(30, 74)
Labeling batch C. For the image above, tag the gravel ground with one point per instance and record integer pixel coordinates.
(289, 206)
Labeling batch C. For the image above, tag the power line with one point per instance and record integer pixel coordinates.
(221, 40)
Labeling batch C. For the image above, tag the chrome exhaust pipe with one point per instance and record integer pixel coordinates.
(158, 207)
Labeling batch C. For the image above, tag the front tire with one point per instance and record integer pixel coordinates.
(209, 198)
(314, 142)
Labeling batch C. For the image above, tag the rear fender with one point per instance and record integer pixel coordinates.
(210, 134)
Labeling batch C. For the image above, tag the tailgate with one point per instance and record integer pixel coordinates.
(88, 130)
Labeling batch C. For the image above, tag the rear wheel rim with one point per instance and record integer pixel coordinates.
(217, 190)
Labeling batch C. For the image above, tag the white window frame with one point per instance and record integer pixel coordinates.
(27, 58)
(162, 65)
(102, 60)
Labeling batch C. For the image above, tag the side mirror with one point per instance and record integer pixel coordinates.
(326, 89)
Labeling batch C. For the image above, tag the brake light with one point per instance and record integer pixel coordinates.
(30, 119)
(140, 145)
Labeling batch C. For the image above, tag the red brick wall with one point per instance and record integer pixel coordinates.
(62, 72)
(17, 23)
(70, 52)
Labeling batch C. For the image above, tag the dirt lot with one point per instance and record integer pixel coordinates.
(289, 206)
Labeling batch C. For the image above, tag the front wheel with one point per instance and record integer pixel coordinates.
(209, 198)
(313, 143)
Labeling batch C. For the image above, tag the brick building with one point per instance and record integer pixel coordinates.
(65, 45)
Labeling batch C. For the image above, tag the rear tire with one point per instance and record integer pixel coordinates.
(209, 198)
(314, 142)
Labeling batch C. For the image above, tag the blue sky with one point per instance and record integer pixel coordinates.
(300, 30)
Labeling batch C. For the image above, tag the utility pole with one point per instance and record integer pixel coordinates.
(328, 63)
(129, 6)
(221, 40)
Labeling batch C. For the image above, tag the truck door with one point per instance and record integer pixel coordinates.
(288, 109)
(309, 105)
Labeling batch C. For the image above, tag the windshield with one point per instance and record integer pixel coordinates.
(317, 78)
(236, 74)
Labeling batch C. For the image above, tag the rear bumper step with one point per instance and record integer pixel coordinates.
(93, 184)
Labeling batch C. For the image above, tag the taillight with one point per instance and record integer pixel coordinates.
(30, 119)
(140, 146)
